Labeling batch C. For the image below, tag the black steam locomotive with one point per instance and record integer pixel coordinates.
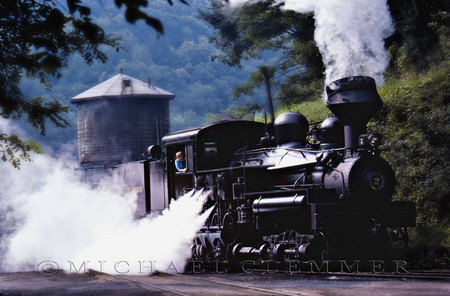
(285, 191)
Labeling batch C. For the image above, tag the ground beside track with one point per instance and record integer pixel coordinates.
(33, 283)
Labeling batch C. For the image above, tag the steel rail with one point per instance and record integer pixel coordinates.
(145, 285)
(423, 275)
(272, 292)
(141, 284)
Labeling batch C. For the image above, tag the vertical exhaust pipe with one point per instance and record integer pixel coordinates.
(354, 101)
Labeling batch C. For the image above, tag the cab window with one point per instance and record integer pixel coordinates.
(210, 149)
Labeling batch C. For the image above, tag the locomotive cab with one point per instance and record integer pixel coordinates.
(208, 150)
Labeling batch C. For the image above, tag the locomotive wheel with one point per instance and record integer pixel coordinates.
(194, 252)
(200, 251)
(278, 252)
(235, 251)
(218, 250)
(228, 233)
(318, 249)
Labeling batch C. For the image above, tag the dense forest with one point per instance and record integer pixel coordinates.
(415, 118)
(177, 60)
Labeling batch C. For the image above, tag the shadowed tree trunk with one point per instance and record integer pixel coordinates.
(265, 74)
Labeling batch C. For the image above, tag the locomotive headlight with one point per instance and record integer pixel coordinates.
(374, 140)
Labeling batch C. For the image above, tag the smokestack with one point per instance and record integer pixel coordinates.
(354, 100)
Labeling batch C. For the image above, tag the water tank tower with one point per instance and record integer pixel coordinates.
(118, 119)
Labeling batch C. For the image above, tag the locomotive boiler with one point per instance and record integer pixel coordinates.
(285, 191)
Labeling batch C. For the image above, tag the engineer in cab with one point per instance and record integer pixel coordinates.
(180, 162)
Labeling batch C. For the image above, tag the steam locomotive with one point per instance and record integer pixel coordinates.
(284, 191)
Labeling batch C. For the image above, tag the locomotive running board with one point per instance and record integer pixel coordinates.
(304, 164)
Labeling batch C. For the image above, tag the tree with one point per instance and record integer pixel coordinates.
(414, 123)
(246, 32)
(262, 76)
(258, 27)
(37, 38)
(421, 35)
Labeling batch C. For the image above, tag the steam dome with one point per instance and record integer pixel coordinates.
(291, 128)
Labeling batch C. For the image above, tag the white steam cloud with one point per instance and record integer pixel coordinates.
(350, 35)
(50, 219)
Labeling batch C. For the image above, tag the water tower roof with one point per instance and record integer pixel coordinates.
(125, 86)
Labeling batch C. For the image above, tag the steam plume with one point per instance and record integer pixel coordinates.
(48, 215)
(350, 35)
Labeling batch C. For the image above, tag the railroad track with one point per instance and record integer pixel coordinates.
(309, 270)
(189, 284)
(415, 275)
(428, 276)
(182, 286)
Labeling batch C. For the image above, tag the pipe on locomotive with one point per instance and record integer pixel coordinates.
(354, 101)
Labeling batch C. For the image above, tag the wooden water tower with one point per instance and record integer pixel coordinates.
(118, 119)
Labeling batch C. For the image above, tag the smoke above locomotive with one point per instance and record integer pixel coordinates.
(349, 34)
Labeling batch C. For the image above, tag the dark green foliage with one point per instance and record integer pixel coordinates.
(262, 28)
(415, 122)
(245, 112)
(133, 12)
(421, 35)
(430, 257)
(254, 80)
(37, 38)
(13, 149)
(315, 110)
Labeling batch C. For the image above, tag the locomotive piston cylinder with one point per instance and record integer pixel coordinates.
(274, 204)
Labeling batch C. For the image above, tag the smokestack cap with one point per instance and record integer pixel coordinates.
(351, 83)
(354, 100)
